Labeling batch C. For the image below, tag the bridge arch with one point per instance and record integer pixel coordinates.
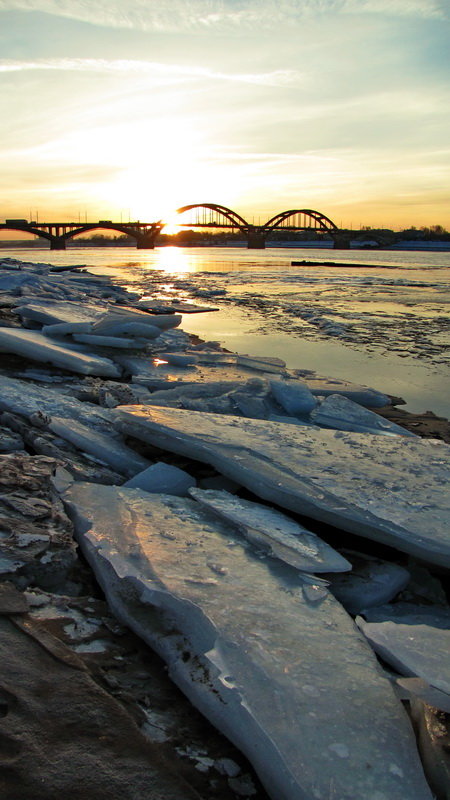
(232, 216)
(26, 229)
(127, 228)
(319, 221)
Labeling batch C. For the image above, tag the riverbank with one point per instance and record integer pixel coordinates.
(56, 620)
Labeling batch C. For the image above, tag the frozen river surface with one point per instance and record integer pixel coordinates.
(379, 318)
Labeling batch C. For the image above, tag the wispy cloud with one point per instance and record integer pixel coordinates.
(150, 68)
(212, 15)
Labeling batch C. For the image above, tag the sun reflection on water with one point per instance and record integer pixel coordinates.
(173, 259)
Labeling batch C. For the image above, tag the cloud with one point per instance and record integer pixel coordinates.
(218, 15)
(168, 72)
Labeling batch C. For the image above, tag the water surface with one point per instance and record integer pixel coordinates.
(379, 318)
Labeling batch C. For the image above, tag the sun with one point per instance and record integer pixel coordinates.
(171, 225)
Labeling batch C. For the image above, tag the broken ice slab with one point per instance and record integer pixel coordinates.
(393, 489)
(99, 445)
(293, 396)
(413, 688)
(338, 412)
(38, 347)
(52, 313)
(170, 307)
(415, 640)
(136, 329)
(110, 341)
(371, 398)
(178, 359)
(261, 363)
(290, 682)
(122, 315)
(152, 371)
(161, 478)
(371, 582)
(273, 531)
(214, 357)
(65, 328)
(31, 401)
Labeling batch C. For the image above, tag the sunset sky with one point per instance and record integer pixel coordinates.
(136, 107)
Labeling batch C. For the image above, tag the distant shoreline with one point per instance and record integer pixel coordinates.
(435, 247)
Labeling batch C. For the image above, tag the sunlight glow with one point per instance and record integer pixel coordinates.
(173, 259)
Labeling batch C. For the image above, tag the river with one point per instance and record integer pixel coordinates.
(380, 318)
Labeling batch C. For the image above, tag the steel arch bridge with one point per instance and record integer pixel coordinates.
(204, 215)
(211, 215)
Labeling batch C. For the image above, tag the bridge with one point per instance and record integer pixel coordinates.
(197, 215)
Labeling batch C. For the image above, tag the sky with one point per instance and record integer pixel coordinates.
(129, 109)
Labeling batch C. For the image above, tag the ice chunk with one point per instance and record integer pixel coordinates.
(103, 447)
(136, 329)
(291, 683)
(415, 640)
(164, 321)
(393, 489)
(412, 688)
(273, 531)
(162, 478)
(38, 347)
(29, 400)
(215, 357)
(64, 328)
(126, 315)
(337, 411)
(293, 396)
(179, 359)
(363, 395)
(371, 582)
(110, 341)
(52, 313)
(261, 363)
(175, 305)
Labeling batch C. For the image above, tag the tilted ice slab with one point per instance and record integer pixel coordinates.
(359, 394)
(38, 347)
(339, 412)
(291, 683)
(28, 399)
(283, 537)
(132, 315)
(52, 313)
(100, 445)
(110, 341)
(415, 640)
(393, 489)
(370, 583)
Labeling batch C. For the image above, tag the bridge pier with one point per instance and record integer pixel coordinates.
(256, 240)
(145, 244)
(146, 241)
(341, 240)
(58, 243)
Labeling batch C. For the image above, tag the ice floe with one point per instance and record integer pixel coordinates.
(37, 347)
(293, 396)
(393, 489)
(100, 445)
(415, 640)
(274, 532)
(341, 413)
(289, 681)
(371, 582)
(162, 478)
